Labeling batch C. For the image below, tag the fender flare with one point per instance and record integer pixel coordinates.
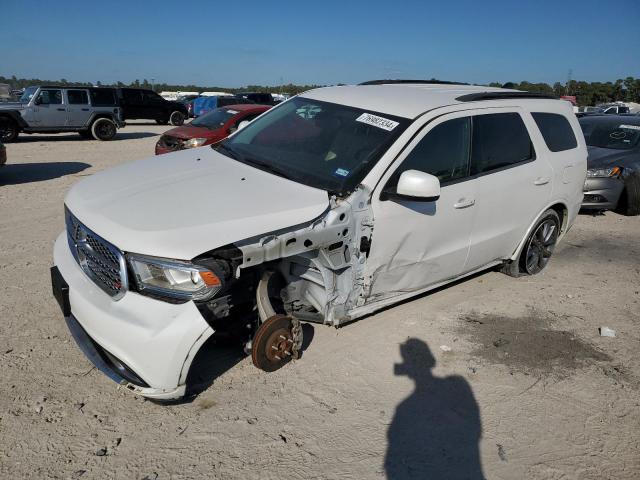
(14, 115)
(94, 116)
(563, 227)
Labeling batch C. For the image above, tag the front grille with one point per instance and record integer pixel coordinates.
(170, 142)
(102, 262)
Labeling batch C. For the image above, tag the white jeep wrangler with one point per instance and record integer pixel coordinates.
(334, 204)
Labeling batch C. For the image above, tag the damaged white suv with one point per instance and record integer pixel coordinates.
(332, 205)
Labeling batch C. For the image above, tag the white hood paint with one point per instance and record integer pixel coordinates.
(183, 204)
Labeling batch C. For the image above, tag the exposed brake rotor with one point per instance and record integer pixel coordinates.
(277, 340)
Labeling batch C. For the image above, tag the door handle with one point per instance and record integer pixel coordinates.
(85, 109)
(61, 109)
(541, 181)
(463, 203)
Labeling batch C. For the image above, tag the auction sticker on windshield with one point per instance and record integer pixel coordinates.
(376, 121)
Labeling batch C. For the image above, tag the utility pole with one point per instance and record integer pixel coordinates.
(153, 81)
(568, 81)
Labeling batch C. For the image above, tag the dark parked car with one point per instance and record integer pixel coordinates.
(209, 128)
(139, 103)
(3, 154)
(613, 168)
(258, 97)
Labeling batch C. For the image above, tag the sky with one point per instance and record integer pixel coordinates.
(234, 44)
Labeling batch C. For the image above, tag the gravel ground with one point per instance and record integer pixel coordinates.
(494, 376)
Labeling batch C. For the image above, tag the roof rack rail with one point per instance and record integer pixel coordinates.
(474, 97)
(401, 81)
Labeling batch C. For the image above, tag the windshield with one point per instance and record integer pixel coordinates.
(616, 133)
(27, 94)
(214, 119)
(320, 144)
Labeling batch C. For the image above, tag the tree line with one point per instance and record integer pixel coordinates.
(586, 93)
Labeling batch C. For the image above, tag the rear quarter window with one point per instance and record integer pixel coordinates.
(556, 131)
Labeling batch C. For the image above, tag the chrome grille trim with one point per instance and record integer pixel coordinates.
(101, 261)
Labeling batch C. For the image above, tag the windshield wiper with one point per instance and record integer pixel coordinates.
(232, 153)
(267, 167)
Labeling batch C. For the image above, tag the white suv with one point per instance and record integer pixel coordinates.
(336, 203)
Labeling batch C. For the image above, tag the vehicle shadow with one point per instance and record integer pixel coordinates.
(216, 357)
(435, 431)
(74, 137)
(18, 173)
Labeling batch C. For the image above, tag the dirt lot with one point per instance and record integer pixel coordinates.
(528, 389)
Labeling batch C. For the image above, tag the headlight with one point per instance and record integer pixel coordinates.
(173, 278)
(604, 172)
(194, 142)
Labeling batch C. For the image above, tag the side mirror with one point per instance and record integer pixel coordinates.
(37, 101)
(418, 186)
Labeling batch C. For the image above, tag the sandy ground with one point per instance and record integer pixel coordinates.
(528, 390)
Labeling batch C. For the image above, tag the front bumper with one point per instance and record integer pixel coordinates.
(134, 337)
(602, 193)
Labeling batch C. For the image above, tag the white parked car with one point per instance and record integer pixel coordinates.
(326, 208)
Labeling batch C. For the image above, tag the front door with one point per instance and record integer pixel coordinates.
(78, 108)
(49, 109)
(416, 244)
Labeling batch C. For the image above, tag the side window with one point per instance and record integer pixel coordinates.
(443, 152)
(77, 97)
(101, 97)
(499, 140)
(151, 97)
(50, 97)
(131, 96)
(556, 131)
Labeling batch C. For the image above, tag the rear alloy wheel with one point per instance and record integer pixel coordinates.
(538, 247)
(176, 118)
(103, 129)
(8, 131)
(541, 243)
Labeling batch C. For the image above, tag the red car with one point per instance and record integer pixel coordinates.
(209, 128)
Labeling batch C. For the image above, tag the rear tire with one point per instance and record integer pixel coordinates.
(176, 118)
(538, 247)
(103, 129)
(8, 131)
(629, 203)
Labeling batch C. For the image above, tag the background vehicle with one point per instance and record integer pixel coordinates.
(139, 103)
(613, 175)
(206, 104)
(258, 97)
(209, 128)
(92, 112)
(3, 154)
(333, 205)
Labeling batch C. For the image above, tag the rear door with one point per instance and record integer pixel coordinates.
(132, 101)
(78, 111)
(49, 109)
(513, 183)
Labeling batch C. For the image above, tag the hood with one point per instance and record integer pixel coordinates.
(186, 132)
(11, 105)
(183, 204)
(610, 157)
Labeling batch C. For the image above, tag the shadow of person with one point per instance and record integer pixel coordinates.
(18, 173)
(435, 431)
